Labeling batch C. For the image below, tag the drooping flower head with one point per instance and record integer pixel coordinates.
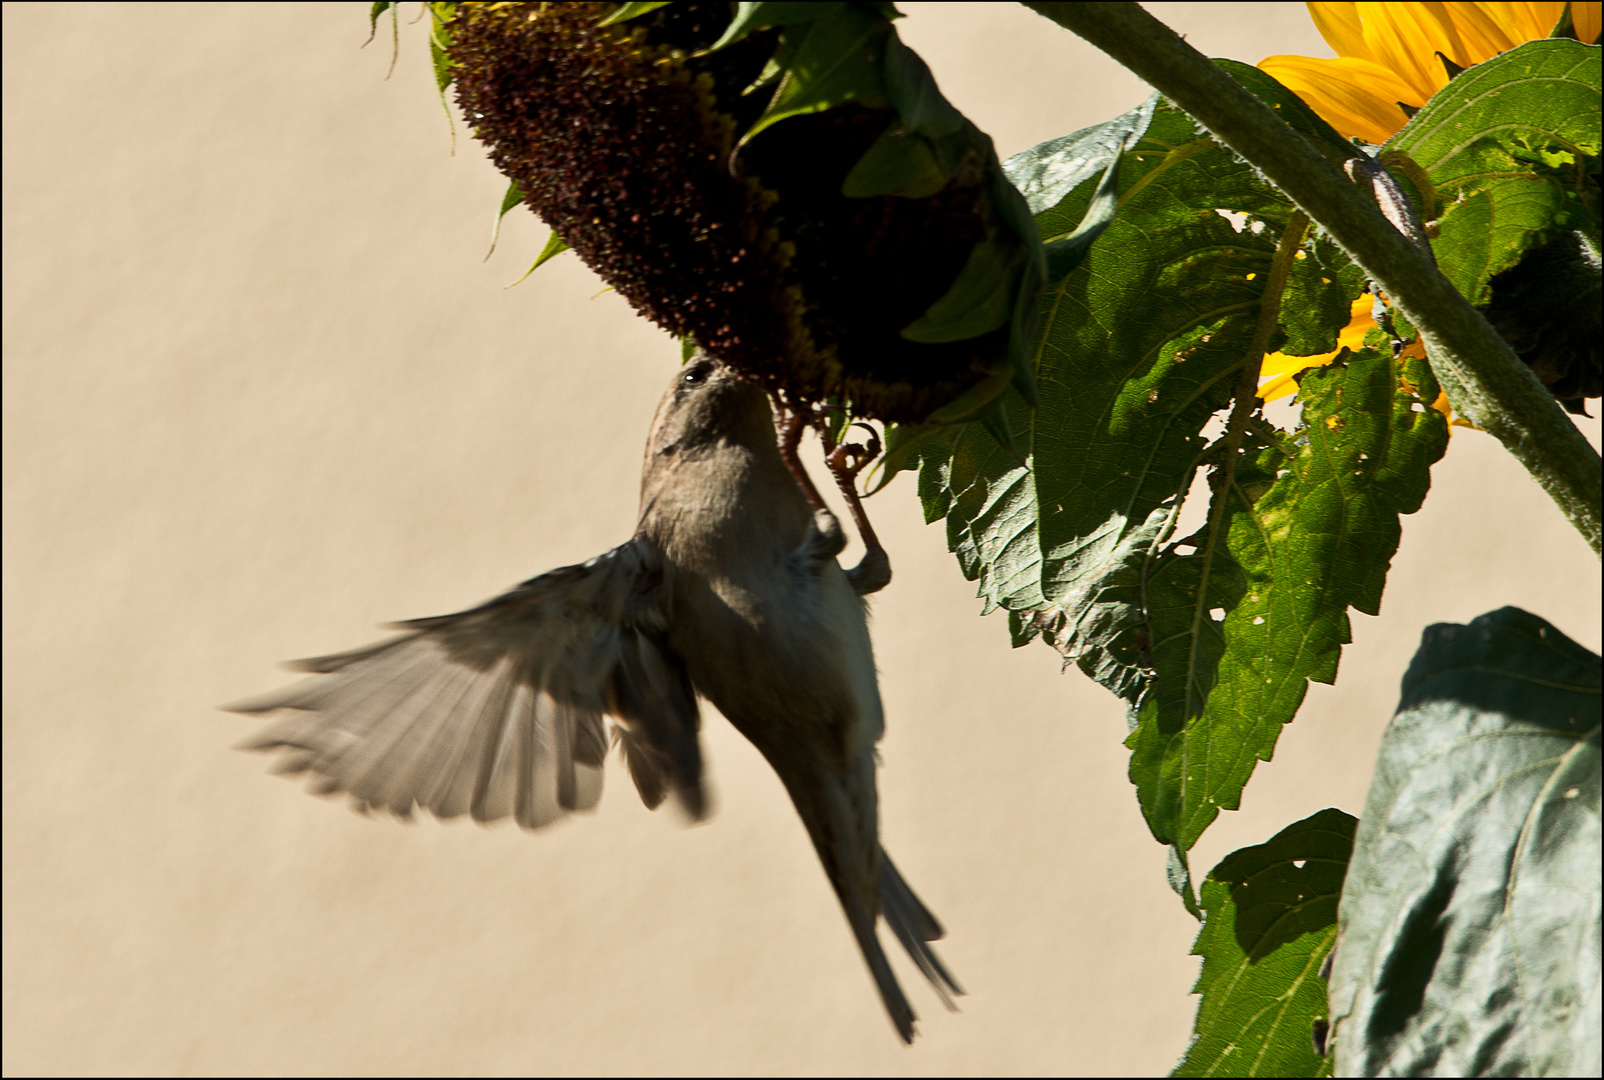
(784, 184)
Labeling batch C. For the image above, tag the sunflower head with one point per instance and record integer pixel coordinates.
(800, 251)
(1391, 58)
(1547, 308)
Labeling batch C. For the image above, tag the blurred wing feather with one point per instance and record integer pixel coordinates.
(498, 711)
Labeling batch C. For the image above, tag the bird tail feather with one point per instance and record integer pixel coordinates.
(915, 927)
(842, 820)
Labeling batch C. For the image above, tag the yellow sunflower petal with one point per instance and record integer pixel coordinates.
(1484, 33)
(1282, 372)
(1280, 368)
(1357, 97)
(1588, 20)
(1277, 363)
(1537, 20)
(1447, 410)
(1387, 53)
(1339, 24)
(1405, 39)
(1360, 323)
(1514, 23)
(1279, 387)
(1456, 44)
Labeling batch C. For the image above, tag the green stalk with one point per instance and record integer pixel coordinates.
(1485, 381)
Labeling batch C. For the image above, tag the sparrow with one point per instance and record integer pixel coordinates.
(729, 590)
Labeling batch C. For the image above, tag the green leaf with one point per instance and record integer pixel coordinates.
(440, 16)
(627, 12)
(919, 152)
(514, 196)
(834, 59)
(1140, 349)
(904, 443)
(1270, 921)
(1564, 27)
(914, 94)
(1321, 290)
(1548, 308)
(1062, 540)
(831, 55)
(900, 163)
(555, 246)
(750, 17)
(989, 500)
(1511, 146)
(1311, 527)
(440, 46)
(378, 8)
(442, 68)
(975, 402)
(1066, 253)
(1046, 173)
(1214, 637)
(979, 300)
(1025, 323)
(838, 420)
(1470, 920)
(374, 12)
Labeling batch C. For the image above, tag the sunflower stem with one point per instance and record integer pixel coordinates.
(1485, 381)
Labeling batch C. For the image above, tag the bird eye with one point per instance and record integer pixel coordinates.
(698, 372)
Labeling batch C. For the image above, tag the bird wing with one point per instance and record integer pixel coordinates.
(498, 711)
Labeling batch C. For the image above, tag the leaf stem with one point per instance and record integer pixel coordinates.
(1485, 381)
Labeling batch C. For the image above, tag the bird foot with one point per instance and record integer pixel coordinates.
(845, 462)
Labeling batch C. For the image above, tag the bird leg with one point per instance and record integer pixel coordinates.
(873, 571)
(846, 461)
(790, 432)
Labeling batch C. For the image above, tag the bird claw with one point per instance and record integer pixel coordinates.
(845, 461)
(849, 459)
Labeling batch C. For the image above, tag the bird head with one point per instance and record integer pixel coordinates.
(708, 406)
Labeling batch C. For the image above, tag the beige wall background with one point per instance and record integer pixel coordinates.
(262, 391)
